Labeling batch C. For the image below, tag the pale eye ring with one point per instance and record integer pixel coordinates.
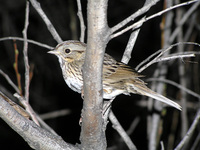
(67, 50)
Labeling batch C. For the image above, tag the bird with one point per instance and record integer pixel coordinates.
(118, 78)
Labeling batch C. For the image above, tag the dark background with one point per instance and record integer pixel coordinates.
(48, 91)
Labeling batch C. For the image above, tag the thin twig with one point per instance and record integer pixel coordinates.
(196, 142)
(174, 128)
(45, 126)
(139, 23)
(183, 20)
(133, 16)
(50, 27)
(162, 51)
(133, 125)
(121, 131)
(132, 39)
(29, 41)
(82, 25)
(126, 57)
(188, 135)
(160, 72)
(162, 145)
(181, 68)
(55, 114)
(25, 52)
(35, 136)
(175, 56)
(176, 85)
(165, 59)
(10, 81)
(154, 132)
(129, 47)
(15, 65)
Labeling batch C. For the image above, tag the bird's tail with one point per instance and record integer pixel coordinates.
(144, 90)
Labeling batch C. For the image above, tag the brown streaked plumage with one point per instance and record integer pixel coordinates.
(118, 78)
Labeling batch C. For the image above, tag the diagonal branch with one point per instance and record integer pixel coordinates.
(132, 39)
(183, 20)
(9, 81)
(133, 16)
(35, 136)
(50, 27)
(162, 52)
(139, 23)
(188, 135)
(121, 131)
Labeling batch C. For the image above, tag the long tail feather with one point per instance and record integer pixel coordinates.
(143, 90)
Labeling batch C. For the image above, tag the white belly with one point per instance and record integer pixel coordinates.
(74, 84)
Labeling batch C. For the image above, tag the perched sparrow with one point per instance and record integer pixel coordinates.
(118, 78)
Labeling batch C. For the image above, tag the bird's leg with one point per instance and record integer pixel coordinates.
(82, 96)
(107, 106)
(106, 111)
(82, 93)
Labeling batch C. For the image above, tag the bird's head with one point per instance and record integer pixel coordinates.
(69, 51)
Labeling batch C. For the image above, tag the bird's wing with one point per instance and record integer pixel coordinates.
(117, 70)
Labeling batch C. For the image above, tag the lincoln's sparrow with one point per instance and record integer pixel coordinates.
(118, 78)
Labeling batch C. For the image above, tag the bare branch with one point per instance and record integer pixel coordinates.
(181, 69)
(154, 131)
(162, 52)
(160, 72)
(188, 135)
(139, 23)
(120, 130)
(28, 108)
(18, 108)
(175, 56)
(35, 136)
(92, 131)
(25, 52)
(131, 42)
(133, 125)
(50, 27)
(183, 20)
(162, 145)
(133, 16)
(82, 25)
(176, 85)
(134, 26)
(129, 47)
(166, 58)
(28, 40)
(196, 142)
(45, 126)
(9, 81)
(55, 114)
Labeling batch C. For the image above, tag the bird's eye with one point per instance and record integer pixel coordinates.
(67, 50)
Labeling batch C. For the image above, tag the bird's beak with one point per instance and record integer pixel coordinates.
(55, 52)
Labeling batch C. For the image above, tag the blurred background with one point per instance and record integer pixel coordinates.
(48, 91)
